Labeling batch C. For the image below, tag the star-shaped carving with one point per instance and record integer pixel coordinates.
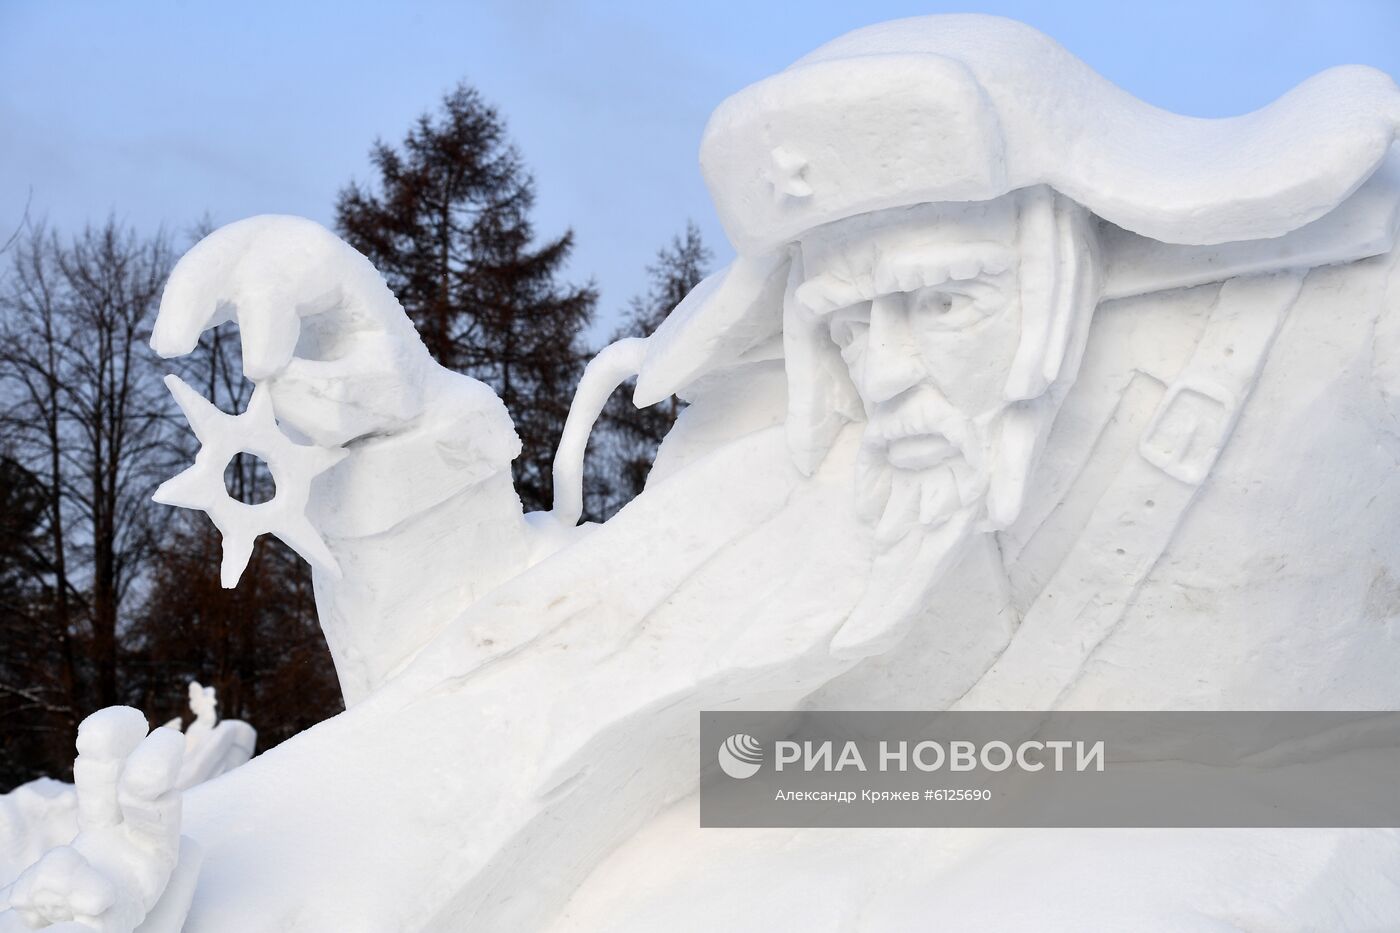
(787, 173)
(293, 466)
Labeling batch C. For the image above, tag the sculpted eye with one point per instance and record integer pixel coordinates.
(848, 328)
(930, 301)
(946, 307)
(846, 333)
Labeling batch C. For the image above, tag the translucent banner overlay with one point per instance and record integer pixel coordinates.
(1063, 769)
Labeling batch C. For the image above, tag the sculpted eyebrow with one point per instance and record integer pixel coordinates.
(912, 268)
(903, 271)
(825, 293)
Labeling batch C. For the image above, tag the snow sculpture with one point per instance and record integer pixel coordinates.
(1020, 394)
(426, 480)
(204, 703)
(128, 867)
(212, 747)
(43, 813)
(34, 818)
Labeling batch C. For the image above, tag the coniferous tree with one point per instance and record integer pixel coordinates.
(629, 436)
(447, 224)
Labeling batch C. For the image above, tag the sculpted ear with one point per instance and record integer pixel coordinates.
(821, 396)
(1059, 288)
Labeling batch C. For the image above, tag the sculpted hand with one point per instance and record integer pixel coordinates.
(340, 369)
(116, 870)
(317, 323)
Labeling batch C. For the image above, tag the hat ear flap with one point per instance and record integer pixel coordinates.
(1059, 291)
(821, 396)
(1058, 276)
(1077, 293)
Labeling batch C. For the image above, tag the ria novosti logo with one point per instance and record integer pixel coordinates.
(740, 756)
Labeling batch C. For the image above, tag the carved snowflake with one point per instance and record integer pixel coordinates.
(293, 466)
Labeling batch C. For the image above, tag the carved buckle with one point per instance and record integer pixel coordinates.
(1189, 428)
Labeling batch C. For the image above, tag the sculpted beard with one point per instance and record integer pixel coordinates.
(920, 464)
(922, 478)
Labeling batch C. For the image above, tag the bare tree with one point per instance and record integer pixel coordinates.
(83, 415)
(260, 645)
(106, 597)
(19, 227)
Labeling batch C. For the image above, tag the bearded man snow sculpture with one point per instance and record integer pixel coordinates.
(1020, 394)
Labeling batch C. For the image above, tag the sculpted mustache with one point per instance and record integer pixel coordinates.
(881, 432)
(924, 412)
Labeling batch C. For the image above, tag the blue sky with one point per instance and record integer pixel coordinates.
(160, 112)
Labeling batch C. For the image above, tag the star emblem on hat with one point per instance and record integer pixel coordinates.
(293, 466)
(787, 173)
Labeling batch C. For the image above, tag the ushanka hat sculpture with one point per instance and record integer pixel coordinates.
(968, 108)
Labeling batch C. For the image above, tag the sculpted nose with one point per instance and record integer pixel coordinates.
(891, 363)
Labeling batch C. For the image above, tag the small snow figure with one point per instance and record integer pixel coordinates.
(212, 747)
(293, 466)
(203, 704)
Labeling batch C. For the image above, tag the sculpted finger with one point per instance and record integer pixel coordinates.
(104, 740)
(267, 274)
(225, 277)
(191, 303)
(89, 893)
(61, 886)
(367, 391)
(148, 795)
